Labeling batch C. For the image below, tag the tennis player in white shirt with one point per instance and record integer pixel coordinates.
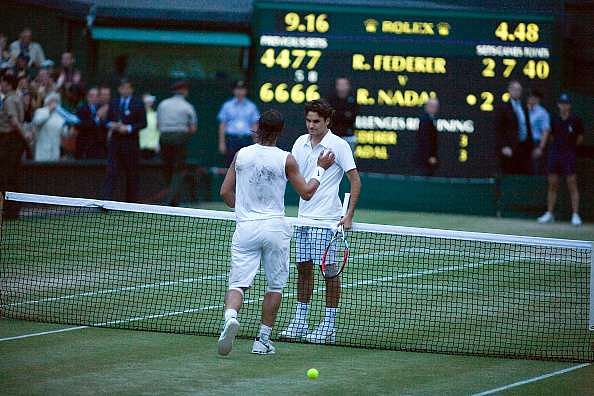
(325, 205)
(255, 186)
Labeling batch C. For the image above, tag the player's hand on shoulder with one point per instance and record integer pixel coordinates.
(326, 159)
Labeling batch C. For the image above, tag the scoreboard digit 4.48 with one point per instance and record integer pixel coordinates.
(396, 60)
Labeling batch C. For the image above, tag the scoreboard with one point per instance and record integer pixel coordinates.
(396, 60)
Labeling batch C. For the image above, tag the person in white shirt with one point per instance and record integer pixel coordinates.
(26, 46)
(325, 206)
(50, 127)
(255, 186)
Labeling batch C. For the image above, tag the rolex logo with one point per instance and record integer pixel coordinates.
(443, 28)
(370, 25)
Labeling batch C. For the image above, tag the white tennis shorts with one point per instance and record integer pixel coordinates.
(310, 243)
(265, 241)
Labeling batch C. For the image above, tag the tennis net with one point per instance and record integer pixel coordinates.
(131, 266)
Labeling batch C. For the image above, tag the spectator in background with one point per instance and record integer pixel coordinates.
(4, 52)
(427, 139)
(104, 98)
(68, 75)
(238, 118)
(26, 46)
(48, 65)
(176, 119)
(91, 139)
(540, 123)
(42, 85)
(514, 133)
(149, 136)
(346, 109)
(50, 127)
(567, 133)
(125, 118)
(21, 67)
(12, 140)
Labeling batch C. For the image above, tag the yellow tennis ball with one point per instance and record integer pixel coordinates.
(312, 373)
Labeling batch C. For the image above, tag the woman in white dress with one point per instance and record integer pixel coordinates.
(50, 126)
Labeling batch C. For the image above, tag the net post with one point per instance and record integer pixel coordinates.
(1, 211)
(591, 317)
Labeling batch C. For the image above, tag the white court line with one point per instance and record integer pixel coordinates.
(531, 380)
(117, 290)
(220, 306)
(188, 280)
(43, 333)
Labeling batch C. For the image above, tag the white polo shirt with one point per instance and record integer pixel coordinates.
(325, 203)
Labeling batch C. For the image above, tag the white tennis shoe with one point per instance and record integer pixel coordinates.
(322, 335)
(546, 218)
(295, 331)
(263, 348)
(576, 220)
(227, 336)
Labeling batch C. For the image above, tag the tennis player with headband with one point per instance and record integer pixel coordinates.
(324, 206)
(255, 186)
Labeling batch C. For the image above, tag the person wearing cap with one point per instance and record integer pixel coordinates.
(540, 123)
(514, 133)
(149, 136)
(567, 132)
(176, 119)
(238, 118)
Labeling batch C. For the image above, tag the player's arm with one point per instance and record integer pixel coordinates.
(222, 146)
(355, 182)
(306, 190)
(228, 186)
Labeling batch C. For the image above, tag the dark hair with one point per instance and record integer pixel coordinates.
(11, 80)
(124, 81)
(270, 126)
(536, 93)
(321, 107)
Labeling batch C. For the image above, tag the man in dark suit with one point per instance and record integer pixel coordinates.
(125, 118)
(514, 134)
(91, 141)
(426, 155)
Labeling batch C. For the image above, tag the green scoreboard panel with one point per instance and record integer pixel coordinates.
(397, 59)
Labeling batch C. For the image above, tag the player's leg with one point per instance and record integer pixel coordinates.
(245, 259)
(275, 260)
(305, 281)
(325, 333)
(298, 326)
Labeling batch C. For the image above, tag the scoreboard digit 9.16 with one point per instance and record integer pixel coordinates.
(396, 60)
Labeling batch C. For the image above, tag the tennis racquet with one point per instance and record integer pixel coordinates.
(336, 253)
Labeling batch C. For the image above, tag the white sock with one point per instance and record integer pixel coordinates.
(230, 313)
(301, 312)
(330, 317)
(264, 333)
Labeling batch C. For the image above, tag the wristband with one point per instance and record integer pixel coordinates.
(318, 173)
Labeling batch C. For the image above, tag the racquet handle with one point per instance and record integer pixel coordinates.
(345, 203)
